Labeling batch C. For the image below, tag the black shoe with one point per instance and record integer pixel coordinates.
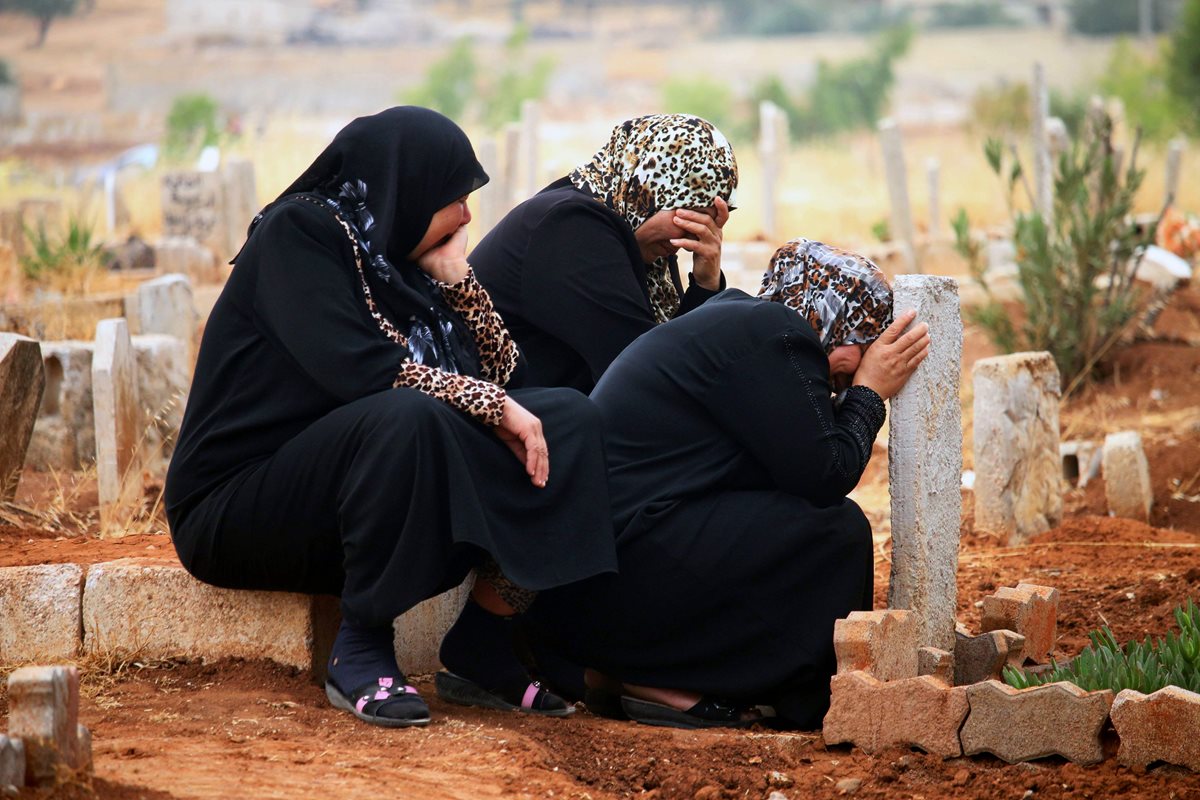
(708, 713)
(536, 700)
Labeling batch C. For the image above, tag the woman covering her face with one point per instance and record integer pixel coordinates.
(729, 465)
(587, 265)
(347, 431)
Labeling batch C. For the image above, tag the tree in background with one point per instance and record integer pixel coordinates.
(1183, 64)
(43, 10)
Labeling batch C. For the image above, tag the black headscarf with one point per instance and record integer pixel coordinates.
(387, 175)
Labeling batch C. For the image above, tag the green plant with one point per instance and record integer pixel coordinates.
(882, 230)
(66, 263)
(1145, 666)
(191, 125)
(1140, 81)
(1183, 64)
(450, 81)
(1078, 297)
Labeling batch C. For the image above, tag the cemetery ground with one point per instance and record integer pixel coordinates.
(178, 729)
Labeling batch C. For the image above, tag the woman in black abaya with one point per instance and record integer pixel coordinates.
(729, 465)
(347, 431)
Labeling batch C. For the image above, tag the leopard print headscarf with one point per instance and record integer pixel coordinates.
(844, 296)
(659, 162)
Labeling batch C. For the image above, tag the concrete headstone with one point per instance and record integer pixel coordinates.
(118, 417)
(925, 465)
(22, 382)
(193, 205)
(1127, 476)
(165, 305)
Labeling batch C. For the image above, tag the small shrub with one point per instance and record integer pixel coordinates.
(450, 81)
(1140, 81)
(517, 81)
(1145, 666)
(67, 264)
(191, 125)
(1077, 294)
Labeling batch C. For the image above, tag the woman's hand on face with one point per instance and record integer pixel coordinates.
(522, 432)
(893, 357)
(447, 262)
(704, 243)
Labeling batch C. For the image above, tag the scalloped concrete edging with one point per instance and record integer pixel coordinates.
(1158, 727)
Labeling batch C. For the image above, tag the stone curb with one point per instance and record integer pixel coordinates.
(1025, 724)
(1155, 727)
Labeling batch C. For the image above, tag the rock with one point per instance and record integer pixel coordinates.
(1080, 461)
(920, 712)
(44, 714)
(925, 465)
(419, 631)
(12, 761)
(22, 382)
(1162, 726)
(883, 643)
(1029, 610)
(1020, 725)
(39, 612)
(133, 253)
(983, 657)
(935, 662)
(849, 785)
(154, 608)
(1018, 484)
(1127, 476)
(779, 779)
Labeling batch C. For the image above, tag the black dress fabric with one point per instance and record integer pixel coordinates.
(565, 273)
(299, 467)
(729, 469)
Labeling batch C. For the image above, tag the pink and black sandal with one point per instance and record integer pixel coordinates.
(536, 699)
(389, 702)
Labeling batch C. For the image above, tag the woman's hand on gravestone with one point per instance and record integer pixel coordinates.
(522, 432)
(704, 238)
(447, 262)
(893, 357)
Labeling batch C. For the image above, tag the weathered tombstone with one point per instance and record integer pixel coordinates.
(1127, 476)
(165, 306)
(118, 419)
(22, 381)
(925, 464)
(192, 205)
(770, 153)
(185, 256)
(164, 375)
(530, 119)
(933, 174)
(512, 163)
(240, 201)
(64, 434)
(1043, 167)
(1018, 475)
(419, 631)
(44, 715)
(1057, 138)
(897, 180)
(1174, 164)
(12, 764)
(491, 196)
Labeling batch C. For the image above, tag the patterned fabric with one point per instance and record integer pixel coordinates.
(478, 398)
(519, 599)
(845, 297)
(662, 161)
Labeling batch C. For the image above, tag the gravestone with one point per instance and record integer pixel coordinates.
(531, 114)
(1018, 473)
(44, 715)
(925, 464)
(1043, 165)
(512, 162)
(64, 436)
(164, 376)
(185, 256)
(165, 305)
(897, 182)
(241, 203)
(491, 196)
(193, 206)
(933, 175)
(772, 145)
(22, 381)
(118, 419)
(1174, 165)
(1127, 476)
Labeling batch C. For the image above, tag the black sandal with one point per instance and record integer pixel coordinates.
(370, 698)
(536, 700)
(708, 713)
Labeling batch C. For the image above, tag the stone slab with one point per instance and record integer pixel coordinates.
(44, 714)
(166, 305)
(1163, 726)
(183, 255)
(983, 657)
(12, 762)
(1018, 484)
(22, 382)
(1029, 610)
(1026, 724)
(1127, 476)
(919, 712)
(193, 205)
(64, 436)
(1080, 461)
(39, 612)
(118, 417)
(419, 632)
(925, 465)
(935, 662)
(156, 608)
(882, 643)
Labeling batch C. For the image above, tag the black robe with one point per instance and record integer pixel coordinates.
(729, 469)
(300, 468)
(565, 273)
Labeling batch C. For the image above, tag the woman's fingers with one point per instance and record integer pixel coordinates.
(537, 458)
(697, 224)
(893, 331)
(722, 211)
